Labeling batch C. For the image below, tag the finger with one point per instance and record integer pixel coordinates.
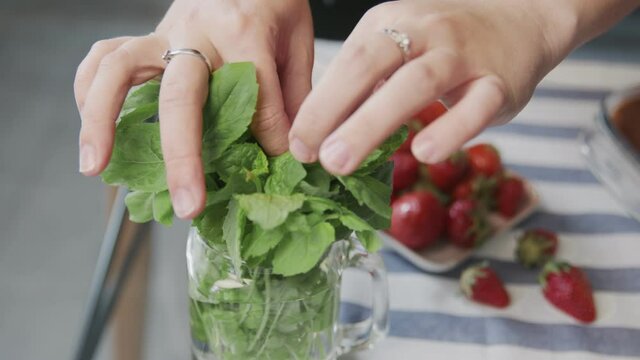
(183, 93)
(419, 82)
(363, 61)
(271, 124)
(295, 71)
(132, 63)
(478, 108)
(87, 68)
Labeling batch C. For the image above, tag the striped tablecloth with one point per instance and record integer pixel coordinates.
(430, 319)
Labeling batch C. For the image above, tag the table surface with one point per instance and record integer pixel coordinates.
(429, 316)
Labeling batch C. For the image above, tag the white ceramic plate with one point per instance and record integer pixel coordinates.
(444, 256)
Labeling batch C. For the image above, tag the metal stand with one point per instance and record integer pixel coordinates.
(108, 281)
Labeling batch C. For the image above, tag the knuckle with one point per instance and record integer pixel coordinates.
(378, 11)
(174, 158)
(269, 119)
(426, 75)
(100, 46)
(117, 59)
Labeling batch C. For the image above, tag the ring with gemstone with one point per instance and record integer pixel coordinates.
(402, 40)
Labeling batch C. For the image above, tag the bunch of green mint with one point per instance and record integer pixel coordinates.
(264, 212)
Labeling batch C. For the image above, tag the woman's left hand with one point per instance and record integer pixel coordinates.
(483, 58)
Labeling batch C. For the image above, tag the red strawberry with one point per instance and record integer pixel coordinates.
(406, 145)
(479, 188)
(481, 284)
(447, 174)
(536, 247)
(467, 223)
(485, 160)
(405, 170)
(431, 113)
(510, 196)
(568, 289)
(417, 219)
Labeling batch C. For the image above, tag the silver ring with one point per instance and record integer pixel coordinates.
(402, 40)
(170, 54)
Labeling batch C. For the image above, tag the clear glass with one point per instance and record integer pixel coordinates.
(261, 315)
(609, 155)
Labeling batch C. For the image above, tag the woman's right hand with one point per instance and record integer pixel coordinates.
(275, 35)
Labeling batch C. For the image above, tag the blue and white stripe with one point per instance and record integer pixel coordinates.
(430, 319)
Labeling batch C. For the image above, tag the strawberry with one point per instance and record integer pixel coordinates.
(406, 145)
(405, 170)
(485, 160)
(536, 247)
(445, 175)
(481, 284)
(568, 289)
(479, 188)
(417, 219)
(467, 223)
(430, 113)
(510, 195)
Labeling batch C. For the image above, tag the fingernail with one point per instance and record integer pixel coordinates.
(300, 151)
(87, 158)
(183, 202)
(335, 155)
(424, 151)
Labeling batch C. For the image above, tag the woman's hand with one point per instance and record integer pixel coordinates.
(484, 58)
(276, 35)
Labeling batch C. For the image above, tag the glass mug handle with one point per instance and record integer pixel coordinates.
(363, 334)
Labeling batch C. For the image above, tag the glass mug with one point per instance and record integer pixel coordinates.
(267, 316)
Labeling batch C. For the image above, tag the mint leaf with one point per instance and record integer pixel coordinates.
(317, 182)
(232, 230)
(142, 114)
(382, 154)
(267, 210)
(136, 160)
(142, 95)
(233, 94)
(369, 191)
(210, 222)
(300, 252)
(260, 241)
(370, 240)
(139, 204)
(162, 208)
(286, 173)
(248, 161)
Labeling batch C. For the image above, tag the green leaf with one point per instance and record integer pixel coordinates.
(370, 240)
(269, 210)
(369, 191)
(247, 161)
(286, 173)
(261, 241)
(317, 182)
(382, 154)
(210, 222)
(298, 254)
(233, 94)
(140, 206)
(141, 114)
(136, 160)
(162, 208)
(232, 231)
(142, 95)
(354, 222)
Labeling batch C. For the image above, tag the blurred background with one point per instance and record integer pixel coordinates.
(51, 218)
